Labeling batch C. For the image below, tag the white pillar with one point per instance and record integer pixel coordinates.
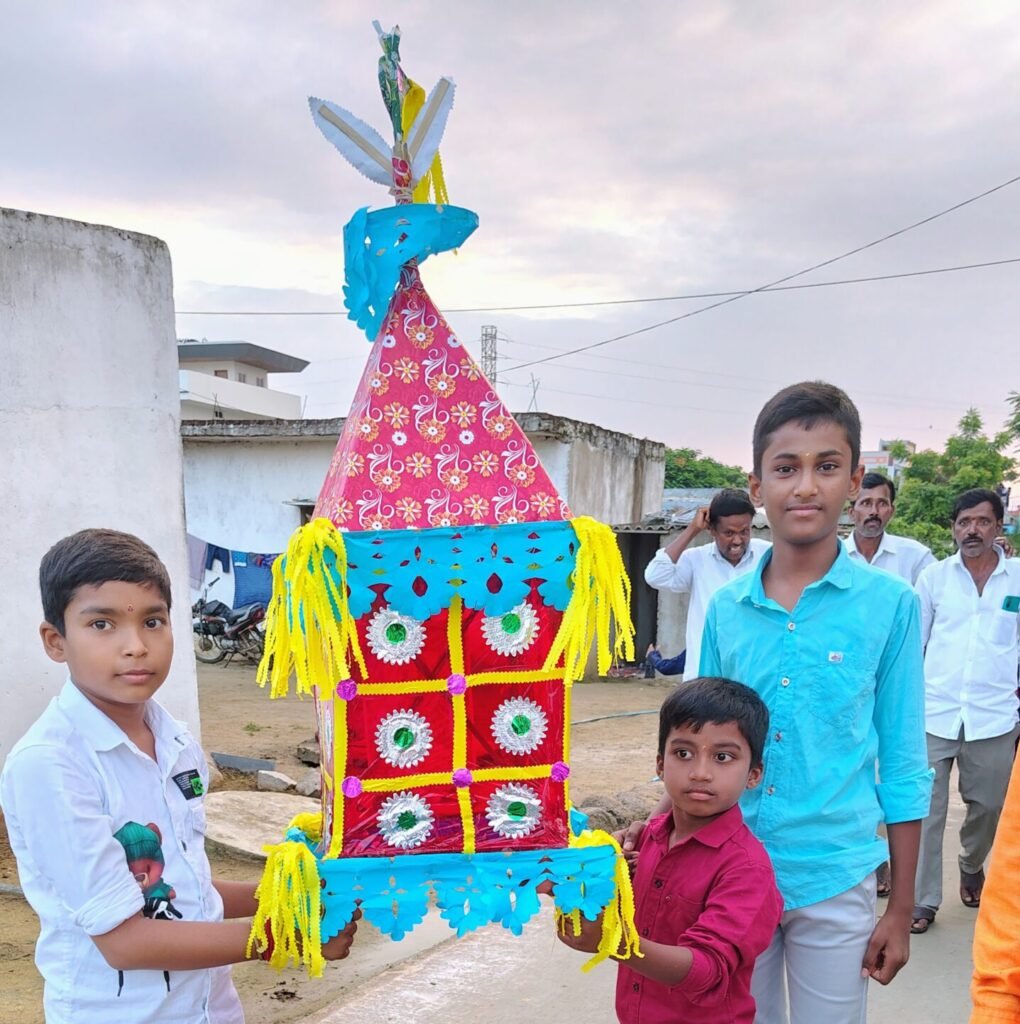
(90, 421)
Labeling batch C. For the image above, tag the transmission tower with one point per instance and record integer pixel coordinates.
(489, 353)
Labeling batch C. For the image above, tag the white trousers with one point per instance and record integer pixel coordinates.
(811, 971)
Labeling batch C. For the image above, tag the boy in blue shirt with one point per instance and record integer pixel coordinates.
(833, 647)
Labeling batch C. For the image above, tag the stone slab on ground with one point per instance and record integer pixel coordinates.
(308, 751)
(310, 784)
(238, 763)
(242, 822)
(273, 782)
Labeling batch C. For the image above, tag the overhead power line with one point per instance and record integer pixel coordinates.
(774, 284)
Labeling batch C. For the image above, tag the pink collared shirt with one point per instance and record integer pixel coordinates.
(715, 893)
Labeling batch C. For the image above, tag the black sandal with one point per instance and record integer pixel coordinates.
(924, 918)
(970, 888)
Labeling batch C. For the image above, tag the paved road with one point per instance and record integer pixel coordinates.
(493, 977)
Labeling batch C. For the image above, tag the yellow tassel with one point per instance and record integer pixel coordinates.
(289, 907)
(309, 630)
(309, 822)
(599, 606)
(619, 932)
(433, 181)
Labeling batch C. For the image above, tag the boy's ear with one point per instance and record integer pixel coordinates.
(855, 482)
(754, 490)
(754, 776)
(52, 641)
(659, 765)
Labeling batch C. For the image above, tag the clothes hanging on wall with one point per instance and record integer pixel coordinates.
(253, 577)
(218, 554)
(196, 561)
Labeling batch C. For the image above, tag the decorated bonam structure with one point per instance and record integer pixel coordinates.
(438, 608)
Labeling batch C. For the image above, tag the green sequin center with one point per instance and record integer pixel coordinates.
(403, 737)
(511, 623)
(407, 820)
(396, 632)
(516, 809)
(521, 725)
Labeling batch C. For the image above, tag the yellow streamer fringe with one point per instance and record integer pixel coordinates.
(290, 908)
(333, 792)
(599, 607)
(433, 181)
(309, 630)
(619, 932)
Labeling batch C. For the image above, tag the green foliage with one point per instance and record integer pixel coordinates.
(687, 467)
(932, 481)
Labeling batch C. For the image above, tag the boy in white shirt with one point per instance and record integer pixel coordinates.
(103, 800)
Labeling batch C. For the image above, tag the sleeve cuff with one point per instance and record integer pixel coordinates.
(906, 799)
(107, 910)
(700, 978)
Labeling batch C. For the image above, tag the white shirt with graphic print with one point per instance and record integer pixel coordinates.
(68, 785)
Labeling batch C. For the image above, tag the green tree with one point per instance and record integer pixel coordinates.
(687, 467)
(932, 481)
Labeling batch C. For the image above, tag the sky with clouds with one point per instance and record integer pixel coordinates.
(612, 151)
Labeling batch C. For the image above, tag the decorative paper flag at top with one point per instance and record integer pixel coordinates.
(439, 608)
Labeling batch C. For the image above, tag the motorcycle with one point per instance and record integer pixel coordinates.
(222, 632)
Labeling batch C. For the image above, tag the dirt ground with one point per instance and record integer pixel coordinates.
(608, 756)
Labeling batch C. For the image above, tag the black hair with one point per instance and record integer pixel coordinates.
(878, 480)
(711, 699)
(92, 558)
(974, 497)
(807, 403)
(729, 502)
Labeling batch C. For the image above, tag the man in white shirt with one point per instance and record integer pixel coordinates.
(969, 626)
(701, 571)
(871, 512)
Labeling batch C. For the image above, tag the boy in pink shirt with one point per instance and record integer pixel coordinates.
(707, 903)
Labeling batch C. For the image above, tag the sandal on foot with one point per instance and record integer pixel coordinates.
(924, 918)
(883, 883)
(970, 888)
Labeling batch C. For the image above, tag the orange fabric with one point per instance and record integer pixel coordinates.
(995, 989)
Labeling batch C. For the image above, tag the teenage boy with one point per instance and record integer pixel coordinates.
(701, 571)
(103, 800)
(871, 511)
(969, 624)
(833, 647)
(704, 890)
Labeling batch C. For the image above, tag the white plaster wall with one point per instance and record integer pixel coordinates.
(89, 414)
(555, 458)
(235, 494)
(240, 401)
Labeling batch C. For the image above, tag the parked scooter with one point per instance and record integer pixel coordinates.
(221, 632)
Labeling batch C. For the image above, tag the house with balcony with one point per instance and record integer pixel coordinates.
(229, 380)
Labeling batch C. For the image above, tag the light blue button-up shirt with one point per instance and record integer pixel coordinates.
(843, 678)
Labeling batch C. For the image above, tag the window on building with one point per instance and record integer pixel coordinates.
(260, 382)
(220, 373)
(242, 378)
(217, 414)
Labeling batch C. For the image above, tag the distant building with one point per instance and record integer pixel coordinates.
(229, 380)
(249, 485)
(882, 461)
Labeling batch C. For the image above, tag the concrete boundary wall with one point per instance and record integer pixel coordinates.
(89, 416)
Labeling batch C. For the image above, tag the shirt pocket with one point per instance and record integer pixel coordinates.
(840, 691)
(1004, 628)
